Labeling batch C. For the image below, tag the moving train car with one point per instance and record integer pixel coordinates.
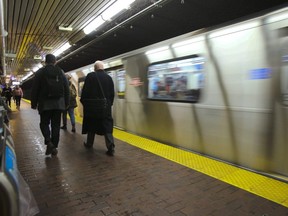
(222, 92)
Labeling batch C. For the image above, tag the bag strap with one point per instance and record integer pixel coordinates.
(100, 86)
(59, 72)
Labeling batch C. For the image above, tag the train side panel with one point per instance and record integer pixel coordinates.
(240, 117)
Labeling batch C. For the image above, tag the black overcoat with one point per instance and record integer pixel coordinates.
(91, 89)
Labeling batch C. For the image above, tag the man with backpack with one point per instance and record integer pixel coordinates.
(50, 95)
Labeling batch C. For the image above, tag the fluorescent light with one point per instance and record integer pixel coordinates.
(157, 50)
(111, 11)
(125, 3)
(39, 65)
(47, 47)
(10, 55)
(27, 76)
(62, 28)
(62, 49)
(35, 69)
(98, 21)
(37, 57)
(116, 8)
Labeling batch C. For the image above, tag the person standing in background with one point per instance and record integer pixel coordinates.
(17, 94)
(72, 106)
(50, 94)
(91, 90)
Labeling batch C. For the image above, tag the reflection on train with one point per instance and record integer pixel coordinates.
(221, 92)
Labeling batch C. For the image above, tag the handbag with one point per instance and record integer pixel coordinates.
(96, 107)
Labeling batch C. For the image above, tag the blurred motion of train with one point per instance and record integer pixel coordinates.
(222, 92)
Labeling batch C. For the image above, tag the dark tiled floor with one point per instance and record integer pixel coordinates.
(132, 183)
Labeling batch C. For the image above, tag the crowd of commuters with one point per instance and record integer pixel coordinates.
(53, 99)
(8, 93)
(54, 95)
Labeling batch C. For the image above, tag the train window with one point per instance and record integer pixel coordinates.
(121, 83)
(176, 80)
(110, 73)
(80, 85)
(283, 33)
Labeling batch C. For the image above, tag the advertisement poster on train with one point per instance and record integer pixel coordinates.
(179, 80)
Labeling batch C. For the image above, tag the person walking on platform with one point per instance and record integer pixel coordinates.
(7, 93)
(50, 94)
(72, 106)
(98, 84)
(17, 94)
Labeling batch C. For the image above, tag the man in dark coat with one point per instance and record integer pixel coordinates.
(91, 90)
(50, 107)
(7, 93)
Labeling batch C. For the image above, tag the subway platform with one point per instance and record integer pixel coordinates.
(143, 178)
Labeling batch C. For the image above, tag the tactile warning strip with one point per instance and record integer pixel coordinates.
(260, 185)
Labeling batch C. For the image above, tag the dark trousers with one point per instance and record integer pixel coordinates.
(8, 101)
(50, 119)
(18, 100)
(109, 140)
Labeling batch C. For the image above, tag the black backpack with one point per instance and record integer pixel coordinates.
(54, 82)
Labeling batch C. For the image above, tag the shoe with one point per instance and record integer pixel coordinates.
(73, 130)
(64, 127)
(87, 146)
(54, 152)
(49, 148)
(110, 152)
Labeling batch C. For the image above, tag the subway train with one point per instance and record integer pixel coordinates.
(220, 91)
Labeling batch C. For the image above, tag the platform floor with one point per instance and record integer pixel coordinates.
(143, 178)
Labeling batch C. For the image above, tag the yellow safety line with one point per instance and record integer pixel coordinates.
(260, 185)
(269, 188)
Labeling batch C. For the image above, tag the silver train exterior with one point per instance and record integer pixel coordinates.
(241, 114)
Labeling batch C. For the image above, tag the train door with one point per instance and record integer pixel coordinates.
(120, 87)
(283, 42)
(284, 64)
(280, 125)
(118, 109)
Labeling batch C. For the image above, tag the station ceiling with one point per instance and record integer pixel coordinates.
(33, 27)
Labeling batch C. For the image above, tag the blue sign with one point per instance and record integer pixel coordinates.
(10, 163)
(261, 73)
